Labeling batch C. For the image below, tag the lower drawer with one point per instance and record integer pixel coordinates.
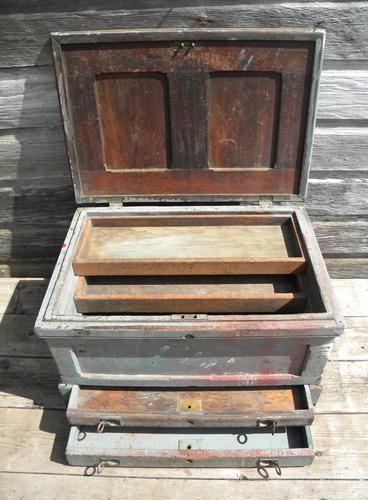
(227, 407)
(245, 447)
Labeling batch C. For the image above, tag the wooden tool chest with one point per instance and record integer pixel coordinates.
(189, 315)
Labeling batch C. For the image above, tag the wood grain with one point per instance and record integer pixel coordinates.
(243, 245)
(33, 153)
(189, 409)
(47, 431)
(175, 295)
(28, 97)
(212, 487)
(344, 22)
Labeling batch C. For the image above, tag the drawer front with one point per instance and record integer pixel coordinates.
(246, 447)
(190, 361)
(227, 407)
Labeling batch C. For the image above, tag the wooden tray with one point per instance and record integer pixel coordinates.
(172, 245)
(189, 294)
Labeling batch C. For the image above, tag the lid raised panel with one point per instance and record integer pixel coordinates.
(188, 114)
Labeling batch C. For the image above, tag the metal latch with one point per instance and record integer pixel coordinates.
(264, 464)
(268, 423)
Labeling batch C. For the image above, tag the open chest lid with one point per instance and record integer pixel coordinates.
(188, 115)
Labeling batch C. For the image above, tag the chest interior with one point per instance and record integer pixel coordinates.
(209, 116)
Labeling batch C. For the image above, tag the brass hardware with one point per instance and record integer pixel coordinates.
(189, 405)
(184, 45)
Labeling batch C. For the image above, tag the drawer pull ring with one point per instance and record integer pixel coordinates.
(106, 423)
(107, 461)
(262, 466)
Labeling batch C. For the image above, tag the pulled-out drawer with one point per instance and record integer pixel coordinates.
(244, 447)
(218, 407)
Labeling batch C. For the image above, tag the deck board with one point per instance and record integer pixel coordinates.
(100, 488)
(34, 430)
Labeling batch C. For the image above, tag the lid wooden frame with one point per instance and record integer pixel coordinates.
(114, 36)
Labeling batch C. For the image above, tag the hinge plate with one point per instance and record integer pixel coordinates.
(116, 202)
(266, 202)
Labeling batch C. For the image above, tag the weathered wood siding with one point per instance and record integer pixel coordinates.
(36, 194)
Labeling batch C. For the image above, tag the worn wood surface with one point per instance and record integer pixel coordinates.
(34, 429)
(29, 99)
(189, 295)
(33, 163)
(191, 245)
(103, 488)
(345, 21)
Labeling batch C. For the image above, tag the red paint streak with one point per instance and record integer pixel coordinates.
(255, 453)
(266, 377)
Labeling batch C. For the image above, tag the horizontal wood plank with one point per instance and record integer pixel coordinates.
(352, 345)
(21, 296)
(17, 337)
(36, 153)
(339, 237)
(27, 383)
(347, 268)
(352, 295)
(28, 97)
(343, 94)
(340, 148)
(340, 444)
(344, 22)
(13, 486)
(33, 153)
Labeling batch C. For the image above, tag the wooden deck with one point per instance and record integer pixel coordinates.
(33, 428)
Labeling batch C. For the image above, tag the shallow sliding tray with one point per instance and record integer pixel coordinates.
(137, 447)
(189, 294)
(231, 407)
(188, 244)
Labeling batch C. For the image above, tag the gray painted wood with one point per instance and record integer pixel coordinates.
(344, 22)
(33, 165)
(33, 153)
(28, 97)
(290, 446)
(35, 441)
(79, 488)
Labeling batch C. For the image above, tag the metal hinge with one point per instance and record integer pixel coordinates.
(265, 202)
(116, 202)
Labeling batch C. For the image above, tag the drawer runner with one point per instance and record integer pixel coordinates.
(225, 407)
(244, 447)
